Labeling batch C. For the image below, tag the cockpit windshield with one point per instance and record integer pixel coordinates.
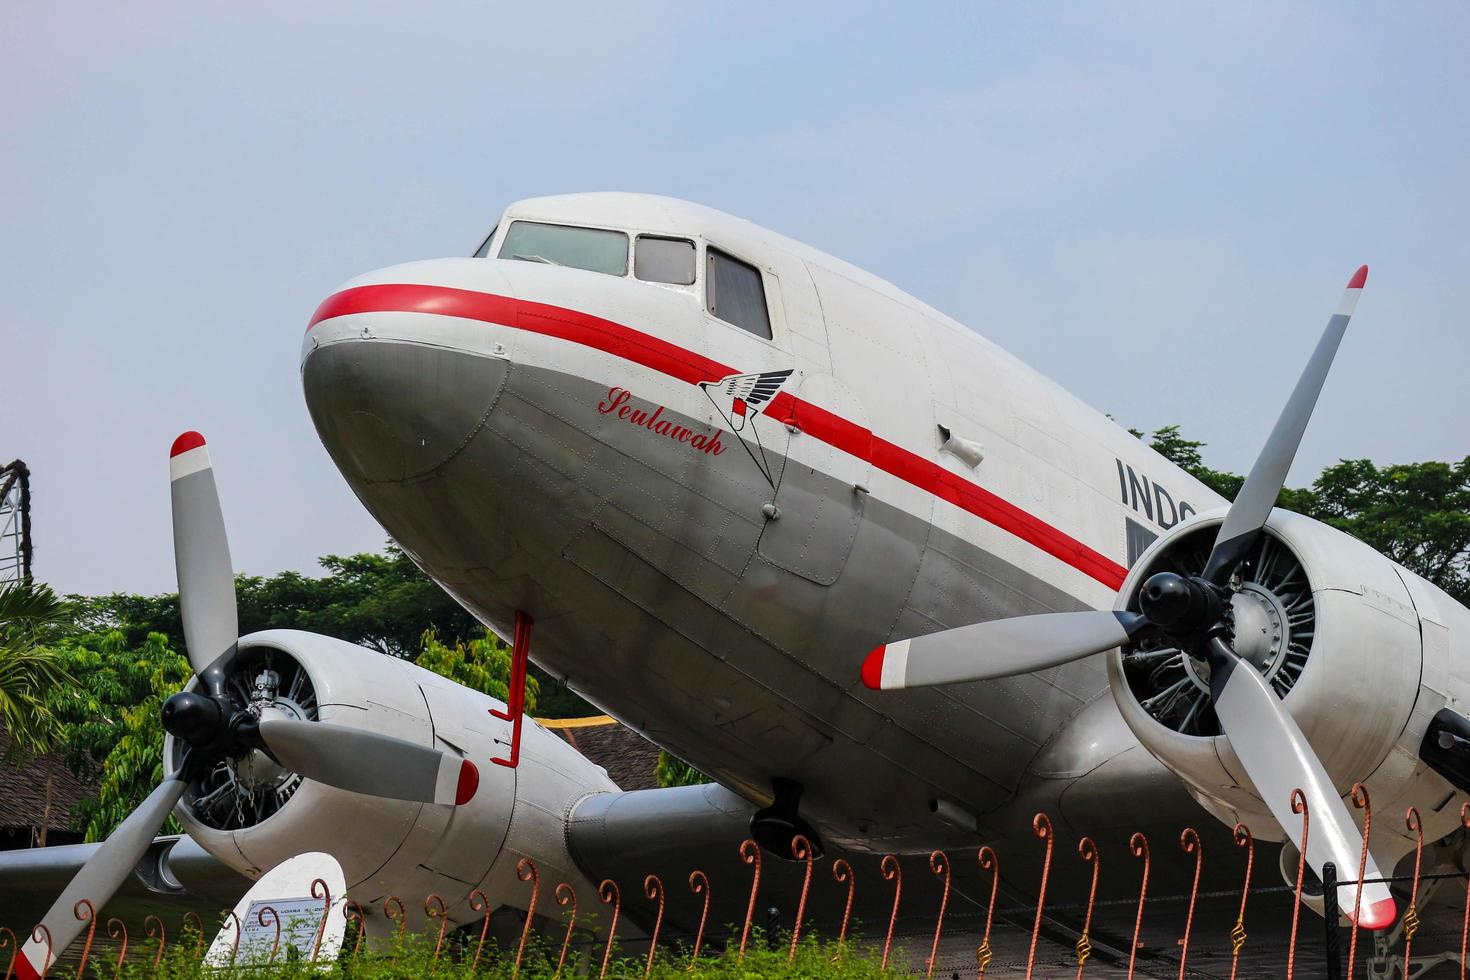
(593, 249)
(484, 248)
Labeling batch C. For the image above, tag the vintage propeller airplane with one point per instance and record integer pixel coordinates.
(712, 468)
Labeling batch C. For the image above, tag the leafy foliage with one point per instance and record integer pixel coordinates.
(111, 721)
(30, 615)
(380, 601)
(413, 956)
(673, 771)
(483, 664)
(1418, 514)
(1185, 454)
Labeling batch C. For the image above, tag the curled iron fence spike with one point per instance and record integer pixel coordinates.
(229, 916)
(565, 895)
(7, 937)
(1243, 838)
(653, 887)
(389, 904)
(526, 871)
(608, 893)
(149, 924)
(318, 884)
(479, 902)
(1189, 843)
(117, 929)
(352, 912)
(1411, 916)
(1465, 925)
(750, 853)
(276, 918)
(1087, 851)
(892, 871)
(90, 918)
(938, 865)
(1138, 846)
(842, 874)
(1362, 802)
(434, 908)
(988, 862)
(185, 919)
(36, 936)
(699, 885)
(1298, 805)
(801, 850)
(1041, 826)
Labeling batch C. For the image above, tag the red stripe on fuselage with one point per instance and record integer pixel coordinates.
(686, 365)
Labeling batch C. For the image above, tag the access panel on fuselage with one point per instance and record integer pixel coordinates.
(819, 499)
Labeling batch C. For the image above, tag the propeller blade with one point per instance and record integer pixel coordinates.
(1247, 515)
(365, 762)
(1278, 758)
(202, 560)
(108, 868)
(999, 648)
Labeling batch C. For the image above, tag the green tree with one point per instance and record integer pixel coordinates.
(483, 664)
(1418, 514)
(1185, 454)
(111, 718)
(31, 615)
(673, 771)
(380, 601)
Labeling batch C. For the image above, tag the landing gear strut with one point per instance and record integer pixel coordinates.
(516, 697)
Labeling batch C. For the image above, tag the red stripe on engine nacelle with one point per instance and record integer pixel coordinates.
(686, 365)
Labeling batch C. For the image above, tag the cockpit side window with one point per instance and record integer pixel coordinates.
(734, 292)
(659, 259)
(484, 248)
(593, 249)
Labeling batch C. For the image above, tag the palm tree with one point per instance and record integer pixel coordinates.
(30, 616)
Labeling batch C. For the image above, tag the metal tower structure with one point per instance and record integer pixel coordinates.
(15, 523)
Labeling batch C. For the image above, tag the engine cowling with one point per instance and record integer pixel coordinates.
(252, 814)
(1335, 628)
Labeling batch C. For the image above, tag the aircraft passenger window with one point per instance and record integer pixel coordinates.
(664, 260)
(593, 249)
(484, 248)
(735, 294)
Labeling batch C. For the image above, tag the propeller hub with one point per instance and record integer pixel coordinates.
(195, 718)
(1180, 606)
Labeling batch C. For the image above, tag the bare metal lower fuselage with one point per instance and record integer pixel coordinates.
(657, 597)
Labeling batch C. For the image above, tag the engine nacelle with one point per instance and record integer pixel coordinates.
(1338, 631)
(251, 814)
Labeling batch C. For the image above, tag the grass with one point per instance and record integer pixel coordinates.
(414, 956)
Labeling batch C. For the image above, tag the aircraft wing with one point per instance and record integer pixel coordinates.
(175, 876)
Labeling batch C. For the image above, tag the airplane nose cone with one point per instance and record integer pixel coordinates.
(390, 412)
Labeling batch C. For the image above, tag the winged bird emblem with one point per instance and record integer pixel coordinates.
(748, 394)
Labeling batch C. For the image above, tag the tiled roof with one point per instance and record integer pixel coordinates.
(629, 758)
(23, 789)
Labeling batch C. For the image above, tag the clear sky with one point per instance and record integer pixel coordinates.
(1157, 205)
